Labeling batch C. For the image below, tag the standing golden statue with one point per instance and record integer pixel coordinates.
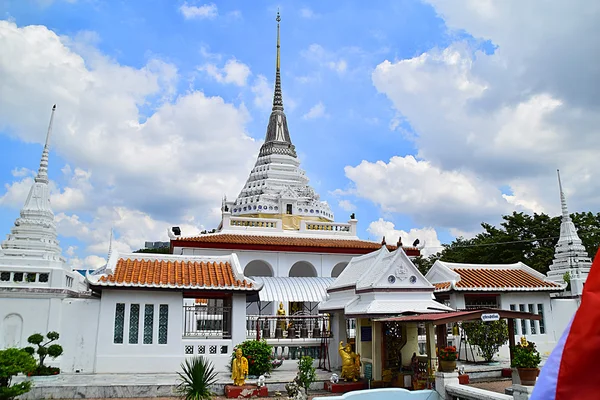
(239, 368)
(281, 313)
(350, 363)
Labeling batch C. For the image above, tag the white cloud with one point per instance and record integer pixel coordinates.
(307, 13)
(430, 195)
(316, 111)
(21, 172)
(427, 236)
(263, 93)
(190, 141)
(233, 72)
(330, 60)
(511, 117)
(346, 205)
(205, 11)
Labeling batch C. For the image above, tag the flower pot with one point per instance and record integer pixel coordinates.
(528, 376)
(447, 366)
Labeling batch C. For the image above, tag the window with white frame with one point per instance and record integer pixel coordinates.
(523, 321)
(531, 321)
(119, 323)
(148, 323)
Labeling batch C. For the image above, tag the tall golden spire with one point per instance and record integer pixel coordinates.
(278, 19)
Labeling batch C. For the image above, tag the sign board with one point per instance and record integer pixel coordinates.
(366, 334)
(368, 371)
(490, 317)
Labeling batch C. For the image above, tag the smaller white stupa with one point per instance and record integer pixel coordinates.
(570, 257)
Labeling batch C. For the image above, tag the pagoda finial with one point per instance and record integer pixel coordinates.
(563, 200)
(42, 175)
(110, 245)
(277, 98)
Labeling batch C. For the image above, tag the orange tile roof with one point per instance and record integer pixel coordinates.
(496, 279)
(285, 241)
(442, 286)
(174, 274)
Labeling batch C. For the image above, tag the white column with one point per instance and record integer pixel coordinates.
(338, 332)
(353, 223)
(238, 318)
(442, 379)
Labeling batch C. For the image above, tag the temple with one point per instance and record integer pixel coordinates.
(279, 268)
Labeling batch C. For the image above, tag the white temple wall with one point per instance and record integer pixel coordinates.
(78, 334)
(281, 262)
(139, 358)
(563, 311)
(21, 318)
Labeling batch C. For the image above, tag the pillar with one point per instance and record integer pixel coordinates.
(238, 318)
(412, 343)
(442, 379)
(338, 333)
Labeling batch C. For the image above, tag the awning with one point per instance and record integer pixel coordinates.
(285, 289)
(458, 316)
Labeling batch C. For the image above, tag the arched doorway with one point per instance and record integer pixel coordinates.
(337, 270)
(12, 331)
(303, 269)
(258, 268)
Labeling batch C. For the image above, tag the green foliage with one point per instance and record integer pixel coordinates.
(12, 362)
(259, 355)
(197, 377)
(536, 236)
(44, 350)
(567, 279)
(525, 356)
(306, 372)
(488, 336)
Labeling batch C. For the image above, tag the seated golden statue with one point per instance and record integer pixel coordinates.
(281, 313)
(239, 368)
(350, 363)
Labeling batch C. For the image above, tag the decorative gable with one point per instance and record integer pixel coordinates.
(394, 271)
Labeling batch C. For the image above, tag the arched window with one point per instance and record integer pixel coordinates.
(303, 269)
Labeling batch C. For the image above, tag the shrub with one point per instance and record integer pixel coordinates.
(525, 356)
(259, 355)
(13, 362)
(488, 336)
(447, 353)
(306, 372)
(44, 350)
(198, 374)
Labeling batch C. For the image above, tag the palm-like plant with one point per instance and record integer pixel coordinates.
(197, 376)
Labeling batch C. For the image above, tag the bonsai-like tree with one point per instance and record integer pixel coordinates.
(45, 350)
(488, 336)
(13, 362)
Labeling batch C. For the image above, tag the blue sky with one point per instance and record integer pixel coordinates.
(416, 115)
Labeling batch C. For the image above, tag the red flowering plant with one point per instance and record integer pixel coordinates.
(447, 353)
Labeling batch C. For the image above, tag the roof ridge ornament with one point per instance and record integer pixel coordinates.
(42, 175)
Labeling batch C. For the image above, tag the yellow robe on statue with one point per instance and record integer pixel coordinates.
(239, 371)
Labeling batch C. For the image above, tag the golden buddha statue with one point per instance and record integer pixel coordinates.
(239, 368)
(281, 313)
(350, 363)
(524, 341)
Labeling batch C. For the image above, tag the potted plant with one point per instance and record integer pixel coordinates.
(44, 350)
(447, 356)
(526, 360)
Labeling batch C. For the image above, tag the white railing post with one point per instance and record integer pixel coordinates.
(353, 223)
(442, 379)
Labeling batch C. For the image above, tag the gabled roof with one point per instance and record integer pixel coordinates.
(284, 243)
(448, 276)
(381, 283)
(143, 270)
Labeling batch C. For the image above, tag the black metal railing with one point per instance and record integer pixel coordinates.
(207, 322)
(288, 327)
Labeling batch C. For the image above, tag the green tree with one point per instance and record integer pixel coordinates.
(13, 362)
(519, 237)
(306, 372)
(488, 336)
(160, 250)
(45, 350)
